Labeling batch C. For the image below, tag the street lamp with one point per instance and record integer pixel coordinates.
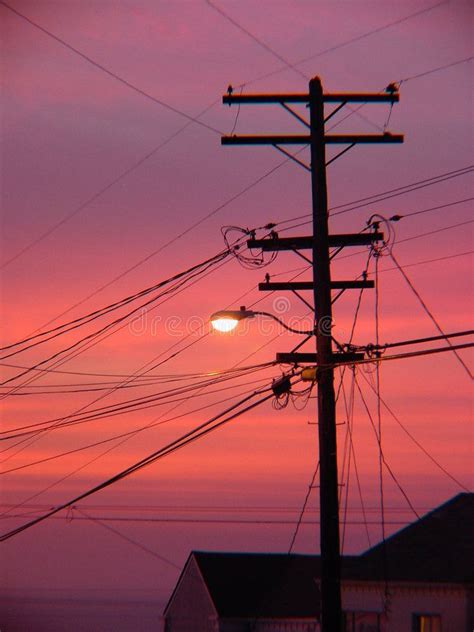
(227, 320)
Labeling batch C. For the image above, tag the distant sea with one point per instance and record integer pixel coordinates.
(28, 614)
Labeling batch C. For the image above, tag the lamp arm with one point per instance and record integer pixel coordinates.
(302, 332)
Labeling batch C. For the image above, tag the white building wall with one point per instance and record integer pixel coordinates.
(450, 602)
(191, 608)
(268, 625)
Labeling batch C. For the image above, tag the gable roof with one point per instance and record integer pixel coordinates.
(261, 584)
(436, 548)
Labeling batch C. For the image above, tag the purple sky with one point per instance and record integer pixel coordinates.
(69, 130)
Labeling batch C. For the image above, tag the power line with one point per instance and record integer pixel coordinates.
(143, 382)
(52, 389)
(99, 193)
(414, 341)
(400, 356)
(413, 354)
(299, 522)
(416, 442)
(436, 208)
(429, 313)
(91, 374)
(359, 486)
(435, 232)
(144, 369)
(347, 42)
(91, 343)
(243, 191)
(100, 337)
(419, 263)
(410, 190)
(36, 431)
(150, 376)
(195, 434)
(260, 42)
(378, 431)
(383, 459)
(108, 326)
(147, 156)
(125, 438)
(124, 173)
(205, 509)
(130, 405)
(416, 236)
(433, 70)
(149, 369)
(385, 195)
(133, 433)
(174, 239)
(349, 452)
(231, 521)
(110, 73)
(127, 538)
(87, 318)
(289, 65)
(419, 236)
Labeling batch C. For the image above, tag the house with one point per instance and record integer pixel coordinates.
(419, 580)
(430, 573)
(230, 592)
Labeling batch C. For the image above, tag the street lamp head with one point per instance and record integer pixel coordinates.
(227, 320)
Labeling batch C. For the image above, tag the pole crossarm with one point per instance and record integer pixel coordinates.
(305, 139)
(335, 358)
(337, 97)
(301, 243)
(309, 285)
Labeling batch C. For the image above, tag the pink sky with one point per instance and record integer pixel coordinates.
(69, 130)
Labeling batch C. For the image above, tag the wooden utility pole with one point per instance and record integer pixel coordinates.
(322, 285)
(331, 614)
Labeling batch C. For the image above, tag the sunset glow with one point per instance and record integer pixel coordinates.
(123, 248)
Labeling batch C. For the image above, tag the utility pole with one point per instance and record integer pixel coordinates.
(328, 480)
(319, 244)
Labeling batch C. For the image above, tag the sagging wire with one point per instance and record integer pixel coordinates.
(284, 393)
(255, 260)
(126, 538)
(387, 594)
(388, 242)
(429, 313)
(281, 388)
(303, 509)
(356, 470)
(281, 401)
(217, 421)
(300, 398)
(349, 455)
(416, 441)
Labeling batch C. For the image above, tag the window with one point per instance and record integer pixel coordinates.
(361, 622)
(426, 623)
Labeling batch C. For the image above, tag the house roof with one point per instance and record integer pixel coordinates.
(261, 584)
(436, 548)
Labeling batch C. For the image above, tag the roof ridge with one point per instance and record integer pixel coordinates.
(420, 522)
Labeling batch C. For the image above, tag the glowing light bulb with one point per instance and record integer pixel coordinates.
(224, 324)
